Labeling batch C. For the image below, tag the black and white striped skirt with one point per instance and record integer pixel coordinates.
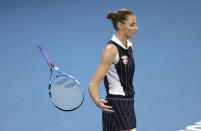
(123, 117)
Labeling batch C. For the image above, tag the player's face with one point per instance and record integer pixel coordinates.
(129, 27)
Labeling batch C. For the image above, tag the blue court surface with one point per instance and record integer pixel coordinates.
(167, 51)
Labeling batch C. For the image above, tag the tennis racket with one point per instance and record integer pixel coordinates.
(64, 90)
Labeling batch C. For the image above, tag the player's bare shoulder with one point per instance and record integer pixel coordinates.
(110, 48)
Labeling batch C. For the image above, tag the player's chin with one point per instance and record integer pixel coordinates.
(132, 36)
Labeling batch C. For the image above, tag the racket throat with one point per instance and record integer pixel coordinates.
(53, 73)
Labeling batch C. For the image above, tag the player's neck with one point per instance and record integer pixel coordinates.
(122, 38)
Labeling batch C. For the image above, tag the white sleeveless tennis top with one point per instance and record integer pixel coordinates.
(112, 76)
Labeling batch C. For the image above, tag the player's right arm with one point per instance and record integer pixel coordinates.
(106, 61)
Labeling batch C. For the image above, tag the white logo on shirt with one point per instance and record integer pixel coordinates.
(125, 59)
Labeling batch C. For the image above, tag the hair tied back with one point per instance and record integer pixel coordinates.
(111, 15)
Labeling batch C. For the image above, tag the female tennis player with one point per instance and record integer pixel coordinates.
(117, 67)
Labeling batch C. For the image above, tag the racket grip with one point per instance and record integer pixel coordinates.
(44, 53)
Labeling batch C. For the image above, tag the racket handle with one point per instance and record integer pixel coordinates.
(44, 53)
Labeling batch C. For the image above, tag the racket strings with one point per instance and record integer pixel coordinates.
(66, 93)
